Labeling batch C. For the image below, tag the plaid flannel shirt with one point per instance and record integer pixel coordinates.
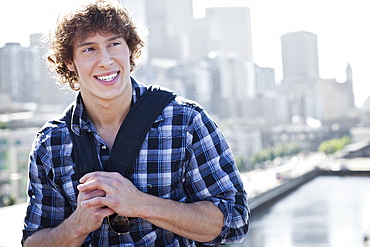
(184, 158)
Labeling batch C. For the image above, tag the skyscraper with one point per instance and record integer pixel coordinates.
(18, 73)
(300, 75)
(24, 77)
(337, 98)
(229, 30)
(300, 56)
(169, 22)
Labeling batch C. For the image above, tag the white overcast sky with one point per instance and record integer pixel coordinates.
(342, 27)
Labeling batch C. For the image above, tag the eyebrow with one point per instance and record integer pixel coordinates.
(91, 43)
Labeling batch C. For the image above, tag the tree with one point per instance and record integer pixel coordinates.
(270, 153)
(334, 145)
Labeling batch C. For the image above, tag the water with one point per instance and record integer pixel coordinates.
(329, 211)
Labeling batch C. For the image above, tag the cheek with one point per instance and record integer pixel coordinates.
(82, 68)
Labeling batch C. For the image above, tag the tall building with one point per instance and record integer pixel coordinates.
(25, 78)
(210, 58)
(195, 78)
(175, 34)
(349, 89)
(300, 56)
(18, 73)
(224, 84)
(304, 93)
(170, 23)
(337, 98)
(229, 30)
(300, 75)
(266, 106)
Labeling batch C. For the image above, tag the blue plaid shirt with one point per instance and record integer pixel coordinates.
(184, 158)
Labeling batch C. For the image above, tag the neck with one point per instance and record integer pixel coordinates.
(108, 115)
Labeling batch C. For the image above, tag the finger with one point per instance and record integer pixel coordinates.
(90, 185)
(97, 174)
(91, 194)
(88, 176)
(106, 211)
(99, 202)
(100, 212)
(108, 185)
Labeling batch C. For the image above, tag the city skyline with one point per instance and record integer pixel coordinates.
(339, 25)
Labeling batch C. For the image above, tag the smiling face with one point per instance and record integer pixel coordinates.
(102, 65)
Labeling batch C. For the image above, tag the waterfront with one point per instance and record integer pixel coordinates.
(329, 211)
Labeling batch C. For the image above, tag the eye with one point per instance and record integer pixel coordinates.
(116, 43)
(88, 49)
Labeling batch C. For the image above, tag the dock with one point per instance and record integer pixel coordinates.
(284, 185)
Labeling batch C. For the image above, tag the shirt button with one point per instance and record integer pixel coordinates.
(149, 186)
(85, 127)
(104, 147)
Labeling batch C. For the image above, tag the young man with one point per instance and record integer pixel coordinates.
(185, 188)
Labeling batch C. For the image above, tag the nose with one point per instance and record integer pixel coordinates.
(105, 59)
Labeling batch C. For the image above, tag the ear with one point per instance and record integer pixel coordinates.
(70, 65)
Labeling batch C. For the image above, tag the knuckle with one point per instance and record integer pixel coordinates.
(116, 183)
(98, 200)
(98, 182)
(115, 203)
(97, 215)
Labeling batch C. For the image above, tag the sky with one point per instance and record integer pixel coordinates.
(342, 28)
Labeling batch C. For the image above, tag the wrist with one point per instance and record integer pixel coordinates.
(73, 228)
(148, 203)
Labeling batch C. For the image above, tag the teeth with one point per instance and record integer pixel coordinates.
(107, 77)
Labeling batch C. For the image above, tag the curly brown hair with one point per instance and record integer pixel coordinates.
(101, 16)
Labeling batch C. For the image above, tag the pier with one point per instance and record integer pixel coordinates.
(338, 167)
(278, 181)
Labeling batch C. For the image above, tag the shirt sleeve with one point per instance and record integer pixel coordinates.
(47, 206)
(213, 176)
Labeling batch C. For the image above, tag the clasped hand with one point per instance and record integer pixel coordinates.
(103, 193)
